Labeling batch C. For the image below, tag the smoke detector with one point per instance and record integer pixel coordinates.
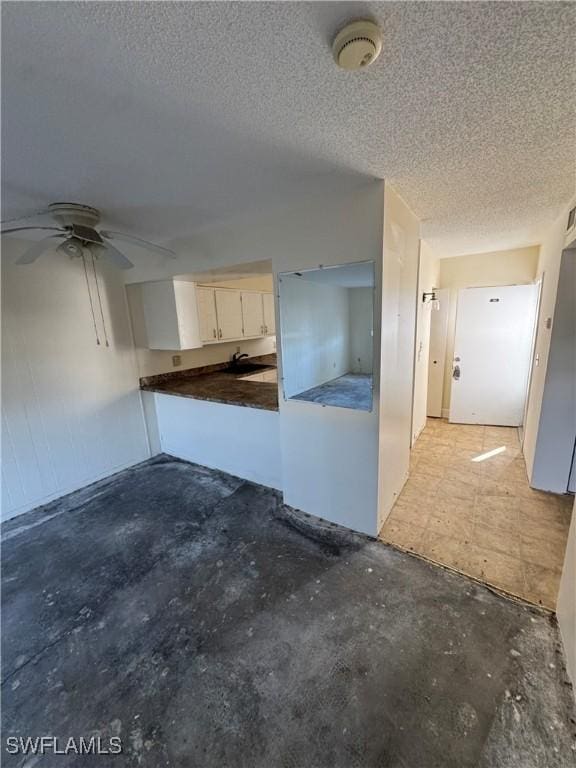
(357, 45)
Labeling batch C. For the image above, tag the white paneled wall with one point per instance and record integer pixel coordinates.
(361, 302)
(71, 409)
(316, 333)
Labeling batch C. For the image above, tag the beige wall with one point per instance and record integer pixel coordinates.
(478, 270)
(154, 361)
(428, 279)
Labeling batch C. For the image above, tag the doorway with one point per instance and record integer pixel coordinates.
(492, 353)
(437, 353)
(480, 516)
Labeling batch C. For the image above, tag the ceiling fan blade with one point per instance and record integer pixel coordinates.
(30, 229)
(138, 241)
(40, 212)
(38, 249)
(112, 254)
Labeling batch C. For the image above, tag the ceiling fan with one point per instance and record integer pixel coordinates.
(77, 232)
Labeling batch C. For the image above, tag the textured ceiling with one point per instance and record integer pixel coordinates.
(173, 116)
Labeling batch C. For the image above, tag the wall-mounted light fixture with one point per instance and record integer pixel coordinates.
(430, 297)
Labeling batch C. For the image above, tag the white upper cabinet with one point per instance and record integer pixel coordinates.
(176, 314)
(269, 316)
(207, 314)
(170, 315)
(252, 314)
(229, 313)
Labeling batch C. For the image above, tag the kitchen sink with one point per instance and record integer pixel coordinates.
(264, 377)
(242, 368)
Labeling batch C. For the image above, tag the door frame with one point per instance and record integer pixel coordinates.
(443, 295)
(540, 285)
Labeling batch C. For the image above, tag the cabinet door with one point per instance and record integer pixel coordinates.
(252, 314)
(207, 314)
(229, 312)
(269, 316)
(187, 311)
(170, 315)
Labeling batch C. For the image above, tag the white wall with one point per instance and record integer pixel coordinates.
(71, 409)
(566, 607)
(255, 283)
(401, 241)
(318, 444)
(554, 448)
(548, 270)
(330, 456)
(361, 302)
(315, 327)
(242, 441)
(511, 267)
(428, 279)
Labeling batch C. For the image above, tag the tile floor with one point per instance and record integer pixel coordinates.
(481, 517)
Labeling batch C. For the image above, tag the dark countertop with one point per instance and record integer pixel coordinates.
(215, 384)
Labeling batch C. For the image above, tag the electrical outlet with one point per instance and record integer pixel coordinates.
(237, 350)
(176, 360)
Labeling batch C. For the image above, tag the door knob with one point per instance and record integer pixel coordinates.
(456, 372)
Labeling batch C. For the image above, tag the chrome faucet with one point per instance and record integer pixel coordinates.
(236, 357)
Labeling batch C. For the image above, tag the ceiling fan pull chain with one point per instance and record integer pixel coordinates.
(99, 298)
(90, 297)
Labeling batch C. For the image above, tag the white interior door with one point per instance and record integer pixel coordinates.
(494, 328)
(437, 353)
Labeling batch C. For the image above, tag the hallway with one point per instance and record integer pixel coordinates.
(467, 505)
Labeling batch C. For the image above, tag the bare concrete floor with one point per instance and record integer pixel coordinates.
(353, 390)
(193, 616)
(476, 513)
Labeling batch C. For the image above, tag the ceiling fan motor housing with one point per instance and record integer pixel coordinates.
(357, 45)
(68, 214)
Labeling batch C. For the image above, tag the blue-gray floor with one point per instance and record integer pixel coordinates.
(191, 615)
(353, 390)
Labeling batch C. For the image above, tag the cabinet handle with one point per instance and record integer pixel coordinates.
(214, 332)
(219, 333)
(265, 329)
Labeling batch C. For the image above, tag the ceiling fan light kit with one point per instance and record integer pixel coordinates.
(357, 45)
(77, 230)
